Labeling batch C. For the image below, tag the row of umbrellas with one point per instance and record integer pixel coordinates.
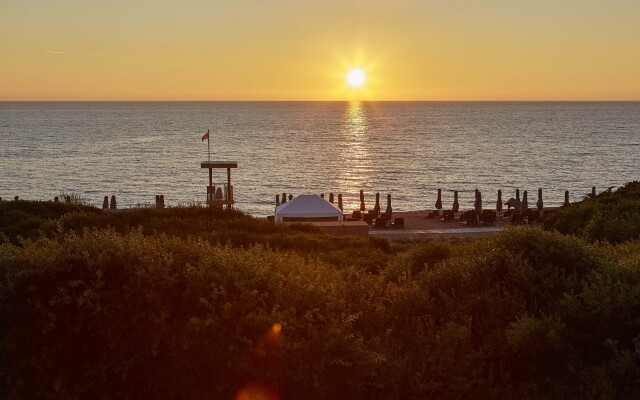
(513, 202)
(520, 205)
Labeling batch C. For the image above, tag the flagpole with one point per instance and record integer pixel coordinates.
(208, 146)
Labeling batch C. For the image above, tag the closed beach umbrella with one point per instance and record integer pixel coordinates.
(105, 203)
(499, 202)
(389, 210)
(475, 202)
(330, 197)
(161, 201)
(376, 208)
(540, 204)
(518, 195)
(277, 200)
(114, 206)
(525, 204)
(593, 191)
(322, 195)
(340, 201)
(362, 206)
(284, 198)
(456, 205)
(290, 197)
(566, 197)
(439, 201)
(478, 203)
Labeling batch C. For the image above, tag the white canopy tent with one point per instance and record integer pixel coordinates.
(307, 207)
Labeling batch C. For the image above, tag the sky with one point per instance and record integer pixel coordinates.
(409, 50)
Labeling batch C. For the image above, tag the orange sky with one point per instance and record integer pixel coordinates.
(295, 50)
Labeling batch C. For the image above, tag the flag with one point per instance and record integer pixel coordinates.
(206, 135)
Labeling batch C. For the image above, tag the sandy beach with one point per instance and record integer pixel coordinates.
(418, 227)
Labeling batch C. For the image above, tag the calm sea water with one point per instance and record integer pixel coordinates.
(138, 150)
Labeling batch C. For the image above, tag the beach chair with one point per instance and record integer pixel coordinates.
(488, 217)
(448, 216)
(381, 222)
(463, 218)
(368, 218)
(533, 216)
(469, 218)
(356, 216)
(398, 223)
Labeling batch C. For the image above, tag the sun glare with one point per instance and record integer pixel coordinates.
(355, 77)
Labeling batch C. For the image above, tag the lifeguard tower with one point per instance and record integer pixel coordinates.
(221, 194)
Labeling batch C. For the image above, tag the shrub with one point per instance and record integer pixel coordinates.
(103, 315)
(513, 316)
(31, 219)
(612, 216)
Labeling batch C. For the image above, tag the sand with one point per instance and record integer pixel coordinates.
(418, 227)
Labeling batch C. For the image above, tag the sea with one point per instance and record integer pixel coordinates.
(137, 150)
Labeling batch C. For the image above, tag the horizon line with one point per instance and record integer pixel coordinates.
(325, 101)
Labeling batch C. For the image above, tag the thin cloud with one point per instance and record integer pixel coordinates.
(89, 54)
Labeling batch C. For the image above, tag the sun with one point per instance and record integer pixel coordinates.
(355, 77)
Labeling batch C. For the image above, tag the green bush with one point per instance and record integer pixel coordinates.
(612, 216)
(26, 218)
(232, 227)
(103, 315)
(519, 314)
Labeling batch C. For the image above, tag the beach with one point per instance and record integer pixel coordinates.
(418, 227)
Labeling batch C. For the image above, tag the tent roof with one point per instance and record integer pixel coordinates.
(307, 206)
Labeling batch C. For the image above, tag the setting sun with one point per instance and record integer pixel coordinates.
(355, 77)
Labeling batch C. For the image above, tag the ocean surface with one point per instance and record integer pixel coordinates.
(137, 150)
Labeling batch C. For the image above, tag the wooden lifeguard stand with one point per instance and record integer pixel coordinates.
(222, 194)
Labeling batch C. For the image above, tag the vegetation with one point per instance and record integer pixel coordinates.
(612, 216)
(22, 220)
(199, 304)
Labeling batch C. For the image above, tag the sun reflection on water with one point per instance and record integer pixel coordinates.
(356, 120)
(355, 169)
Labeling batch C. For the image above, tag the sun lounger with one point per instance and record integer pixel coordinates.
(533, 216)
(469, 218)
(448, 216)
(368, 218)
(488, 217)
(381, 223)
(433, 215)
